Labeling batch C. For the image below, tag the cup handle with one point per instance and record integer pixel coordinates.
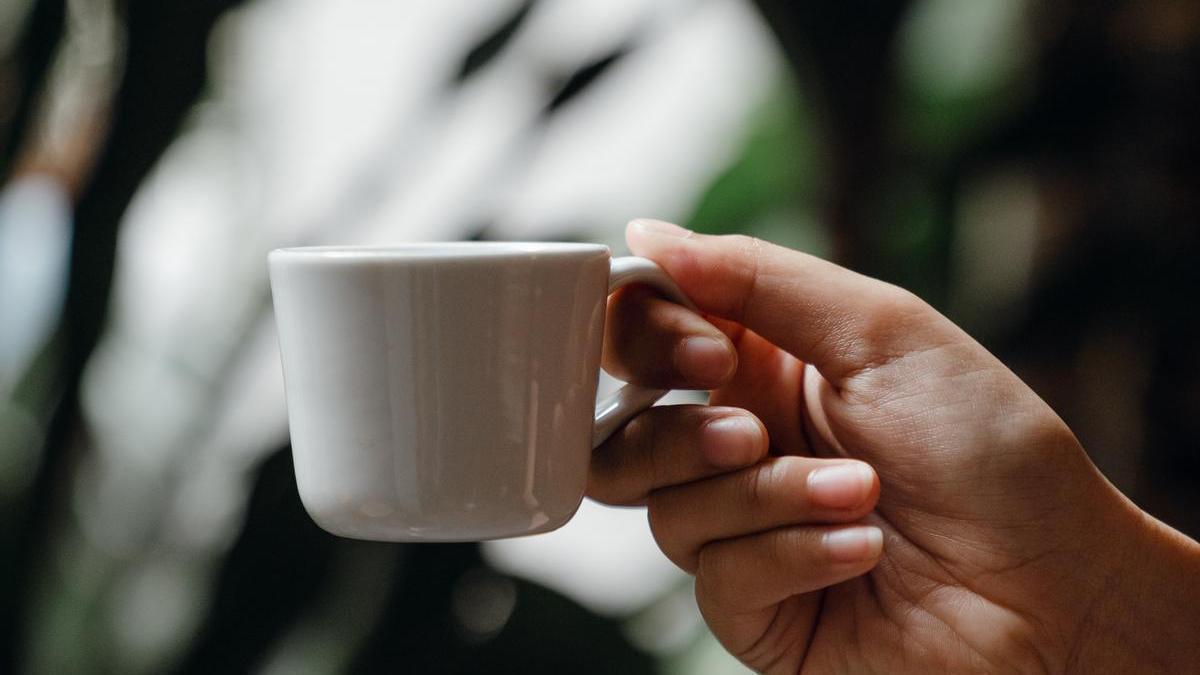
(631, 399)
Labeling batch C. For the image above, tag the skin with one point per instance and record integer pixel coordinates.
(870, 490)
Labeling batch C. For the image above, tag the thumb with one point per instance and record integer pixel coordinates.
(839, 321)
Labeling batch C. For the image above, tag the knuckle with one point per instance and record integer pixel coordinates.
(893, 308)
(744, 242)
(626, 467)
(660, 514)
(902, 304)
(778, 548)
(778, 485)
(656, 516)
(707, 588)
(627, 351)
(749, 253)
(760, 483)
(791, 478)
(896, 322)
(711, 563)
(637, 436)
(648, 450)
(604, 483)
(788, 548)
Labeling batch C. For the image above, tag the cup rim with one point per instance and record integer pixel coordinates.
(438, 250)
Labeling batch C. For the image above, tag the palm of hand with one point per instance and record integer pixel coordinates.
(969, 526)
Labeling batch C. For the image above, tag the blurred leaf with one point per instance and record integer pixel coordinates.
(167, 60)
(70, 609)
(963, 67)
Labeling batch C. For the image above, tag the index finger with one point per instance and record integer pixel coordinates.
(839, 321)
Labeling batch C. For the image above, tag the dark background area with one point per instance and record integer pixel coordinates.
(1050, 206)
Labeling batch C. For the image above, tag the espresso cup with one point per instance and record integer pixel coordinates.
(447, 392)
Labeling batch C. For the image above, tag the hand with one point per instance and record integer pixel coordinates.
(988, 541)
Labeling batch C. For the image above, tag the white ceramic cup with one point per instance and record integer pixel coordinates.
(446, 392)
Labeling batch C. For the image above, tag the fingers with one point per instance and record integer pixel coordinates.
(777, 492)
(839, 321)
(657, 343)
(767, 381)
(671, 445)
(755, 592)
(738, 577)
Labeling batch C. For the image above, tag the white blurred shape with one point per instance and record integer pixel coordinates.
(186, 262)
(35, 231)
(647, 139)
(466, 160)
(252, 416)
(247, 420)
(605, 559)
(178, 286)
(318, 86)
(181, 279)
(564, 33)
(151, 607)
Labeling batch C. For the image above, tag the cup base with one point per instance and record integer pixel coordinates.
(357, 525)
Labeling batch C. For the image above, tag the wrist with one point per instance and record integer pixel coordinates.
(1145, 613)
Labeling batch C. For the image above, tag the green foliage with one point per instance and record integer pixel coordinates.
(768, 189)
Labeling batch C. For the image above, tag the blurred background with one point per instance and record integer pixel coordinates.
(1028, 168)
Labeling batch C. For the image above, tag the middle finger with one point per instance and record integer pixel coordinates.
(777, 492)
(673, 444)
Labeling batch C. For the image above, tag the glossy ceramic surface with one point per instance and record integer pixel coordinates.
(445, 392)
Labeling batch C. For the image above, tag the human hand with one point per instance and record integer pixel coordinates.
(988, 541)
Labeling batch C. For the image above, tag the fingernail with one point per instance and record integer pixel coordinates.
(731, 441)
(854, 544)
(841, 486)
(704, 361)
(659, 227)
